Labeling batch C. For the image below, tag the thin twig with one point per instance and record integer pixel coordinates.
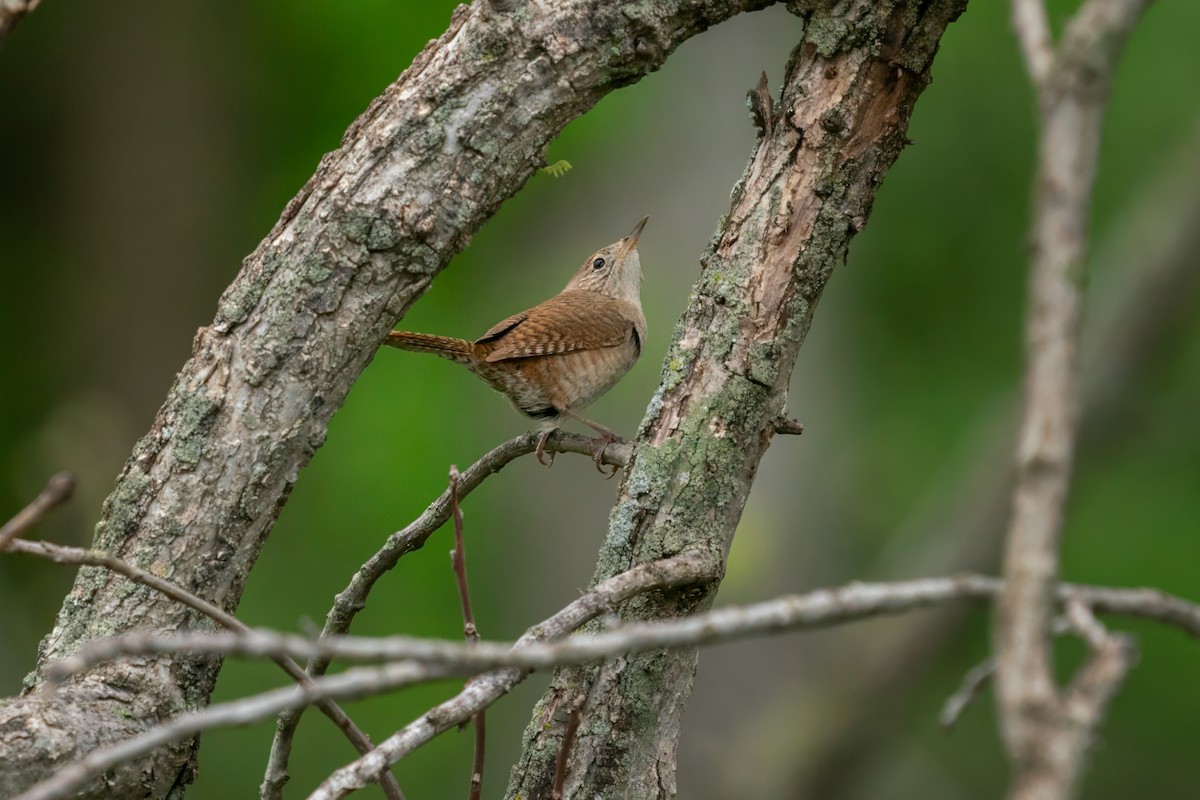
(685, 569)
(973, 683)
(58, 490)
(458, 560)
(353, 598)
(78, 556)
(978, 676)
(487, 688)
(568, 741)
(690, 568)
(1033, 33)
(817, 609)
(787, 426)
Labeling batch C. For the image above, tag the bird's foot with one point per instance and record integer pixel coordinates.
(603, 441)
(541, 449)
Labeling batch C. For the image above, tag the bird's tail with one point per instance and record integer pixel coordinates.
(459, 350)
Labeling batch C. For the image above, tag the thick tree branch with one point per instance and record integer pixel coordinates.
(1044, 743)
(416, 175)
(57, 491)
(839, 124)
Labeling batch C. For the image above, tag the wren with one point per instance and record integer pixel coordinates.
(559, 356)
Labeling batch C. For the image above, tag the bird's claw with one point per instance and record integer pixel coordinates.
(541, 450)
(598, 455)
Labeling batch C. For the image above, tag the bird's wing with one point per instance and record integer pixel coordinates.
(573, 320)
(503, 327)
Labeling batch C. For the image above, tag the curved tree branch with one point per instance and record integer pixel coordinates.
(416, 175)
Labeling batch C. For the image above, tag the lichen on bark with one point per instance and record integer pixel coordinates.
(840, 122)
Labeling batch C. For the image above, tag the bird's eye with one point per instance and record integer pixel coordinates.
(598, 263)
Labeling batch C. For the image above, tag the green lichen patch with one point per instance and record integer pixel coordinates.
(192, 419)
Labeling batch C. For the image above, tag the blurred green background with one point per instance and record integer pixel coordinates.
(147, 147)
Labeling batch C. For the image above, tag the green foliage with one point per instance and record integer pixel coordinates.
(557, 169)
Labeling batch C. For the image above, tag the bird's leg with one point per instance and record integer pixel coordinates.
(541, 448)
(607, 437)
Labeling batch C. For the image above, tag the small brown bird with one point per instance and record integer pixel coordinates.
(560, 355)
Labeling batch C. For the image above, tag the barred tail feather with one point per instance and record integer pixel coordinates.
(459, 350)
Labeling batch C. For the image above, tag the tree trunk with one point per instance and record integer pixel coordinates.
(422, 169)
(849, 92)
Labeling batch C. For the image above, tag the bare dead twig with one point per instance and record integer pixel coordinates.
(568, 741)
(424, 660)
(978, 676)
(816, 609)
(973, 683)
(787, 426)
(58, 490)
(353, 598)
(684, 569)
(458, 560)
(1072, 85)
(690, 568)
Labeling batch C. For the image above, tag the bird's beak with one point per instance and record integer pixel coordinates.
(630, 241)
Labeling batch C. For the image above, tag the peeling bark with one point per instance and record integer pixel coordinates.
(849, 92)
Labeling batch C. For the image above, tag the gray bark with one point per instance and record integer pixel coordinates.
(849, 92)
(422, 169)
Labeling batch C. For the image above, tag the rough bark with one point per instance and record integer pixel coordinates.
(423, 168)
(849, 91)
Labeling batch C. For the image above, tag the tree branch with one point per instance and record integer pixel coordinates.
(1144, 298)
(1033, 34)
(416, 660)
(416, 175)
(1043, 745)
(57, 491)
(839, 124)
(680, 571)
(353, 598)
(817, 609)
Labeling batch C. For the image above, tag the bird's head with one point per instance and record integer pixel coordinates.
(615, 270)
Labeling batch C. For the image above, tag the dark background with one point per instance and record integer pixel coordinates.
(148, 146)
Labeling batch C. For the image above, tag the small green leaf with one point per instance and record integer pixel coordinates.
(557, 169)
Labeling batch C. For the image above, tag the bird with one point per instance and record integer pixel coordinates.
(558, 357)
